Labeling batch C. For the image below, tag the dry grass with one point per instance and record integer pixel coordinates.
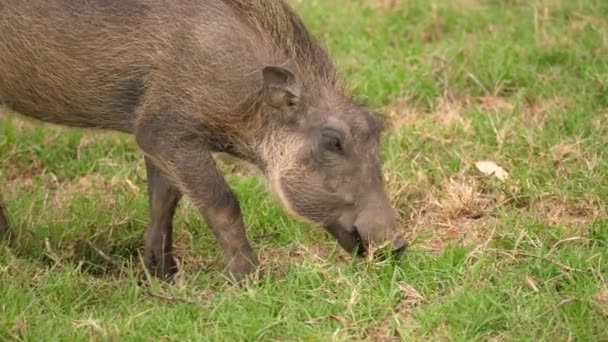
(457, 211)
(446, 111)
(463, 208)
(400, 318)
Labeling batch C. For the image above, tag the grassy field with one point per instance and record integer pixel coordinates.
(521, 83)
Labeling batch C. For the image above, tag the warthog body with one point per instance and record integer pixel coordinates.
(192, 77)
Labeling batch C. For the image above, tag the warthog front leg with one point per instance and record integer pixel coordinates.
(192, 169)
(163, 199)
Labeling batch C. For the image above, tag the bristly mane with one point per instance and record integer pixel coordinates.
(285, 29)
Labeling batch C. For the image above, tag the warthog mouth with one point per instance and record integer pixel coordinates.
(352, 242)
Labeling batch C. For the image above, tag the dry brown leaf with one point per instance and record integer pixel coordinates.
(490, 168)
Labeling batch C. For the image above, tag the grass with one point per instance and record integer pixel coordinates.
(524, 84)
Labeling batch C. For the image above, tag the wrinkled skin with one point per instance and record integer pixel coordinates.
(336, 178)
(195, 77)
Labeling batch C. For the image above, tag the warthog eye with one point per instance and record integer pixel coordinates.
(332, 142)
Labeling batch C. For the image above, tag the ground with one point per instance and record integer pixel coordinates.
(522, 84)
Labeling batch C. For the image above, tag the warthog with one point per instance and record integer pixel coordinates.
(190, 78)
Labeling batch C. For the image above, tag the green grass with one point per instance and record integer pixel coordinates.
(522, 83)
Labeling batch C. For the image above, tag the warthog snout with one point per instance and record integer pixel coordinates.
(374, 226)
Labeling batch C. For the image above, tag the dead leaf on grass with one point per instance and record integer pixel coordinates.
(490, 168)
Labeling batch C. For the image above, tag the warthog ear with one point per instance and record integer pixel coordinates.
(282, 87)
